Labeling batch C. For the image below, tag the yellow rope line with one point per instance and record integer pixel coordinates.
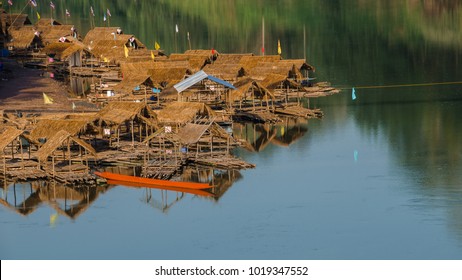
(406, 85)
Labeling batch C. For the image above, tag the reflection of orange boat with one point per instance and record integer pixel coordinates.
(176, 189)
(150, 181)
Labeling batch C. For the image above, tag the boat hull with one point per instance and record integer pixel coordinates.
(150, 181)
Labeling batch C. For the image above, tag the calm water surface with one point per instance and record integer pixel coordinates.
(377, 178)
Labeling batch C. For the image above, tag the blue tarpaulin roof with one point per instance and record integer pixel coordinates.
(197, 77)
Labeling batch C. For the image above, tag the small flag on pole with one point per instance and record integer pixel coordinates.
(52, 5)
(92, 11)
(108, 12)
(176, 28)
(152, 55)
(73, 106)
(33, 3)
(353, 95)
(104, 17)
(156, 46)
(47, 99)
(125, 51)
(38, 16)
(68, 13)
(279, 47)
(10, 2)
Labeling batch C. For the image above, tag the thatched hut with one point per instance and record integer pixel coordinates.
(23, 38)
(46, 129)
(177, 114)
(65, 151)
(197, 59)
(137, 86)
(12, 21)
(252, 91)
(295, 69)
(250, 62)
(70, 53)
(14, 146)
(53, 33)
(194, 139)
(100, 33)
(126, 121)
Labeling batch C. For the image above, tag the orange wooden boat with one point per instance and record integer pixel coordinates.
(150, 181)
(175, 189)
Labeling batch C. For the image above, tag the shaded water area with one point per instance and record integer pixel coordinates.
(379, 177)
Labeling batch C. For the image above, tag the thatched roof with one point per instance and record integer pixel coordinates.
(116, 113)
(13, 20)
(250, 88)
(59, 139)
(129, 82)
(273, 81)
(7, 136)
(197, 59)
(183, 112)
(51, 34)
(249, 62)
(168, 76)
(48, 128)
(225, 58)
(22, 37)
(136, 68)
(229, 72)
(62, 51)
(191, 133)
(289, 68)
(99, 33)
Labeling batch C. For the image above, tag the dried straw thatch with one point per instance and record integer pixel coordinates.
(116, 113)
(100, 33)
(230, 58)
(183, 112)
(51, 34)
(197, 59)
(22, 38)
(13, 21)
(62, 51)
(274, 81)
(129, 82)
(7, 136)
(61, 137)
(136, 68)
(228, 72)
(248, 88)
(166, 77)
(191, 133)
(290, 68)
(48, 128)
(249, 62)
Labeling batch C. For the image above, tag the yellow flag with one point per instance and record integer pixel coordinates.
(47, 99)
(105, 59)
(152, 55)
(279, 47)
(156, 46)
(38, 16)
(126, 51)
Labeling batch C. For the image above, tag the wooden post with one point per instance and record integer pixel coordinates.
(69, 153)
(4, 166)
(22, 155)
(53, 163)
(133, 134)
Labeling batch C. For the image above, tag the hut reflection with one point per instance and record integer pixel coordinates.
(258, 136)
(70, 201)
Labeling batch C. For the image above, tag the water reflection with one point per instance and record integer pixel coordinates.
(258, 136)
(69, 201)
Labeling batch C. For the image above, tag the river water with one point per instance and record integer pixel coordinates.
(379, 177)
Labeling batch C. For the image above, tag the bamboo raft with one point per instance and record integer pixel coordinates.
(223, 162)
